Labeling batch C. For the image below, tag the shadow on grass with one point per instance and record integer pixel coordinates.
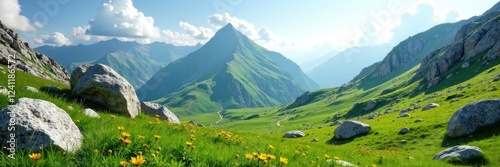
(335, 141)
(480, 134)
(70, 98)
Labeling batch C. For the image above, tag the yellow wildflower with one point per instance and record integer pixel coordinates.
(248, 156)
(125, 135)
(271, 147)
(283, 160)
(123, 163)
(35, 156)
(137, 161)
(157, 137)
(121, 128)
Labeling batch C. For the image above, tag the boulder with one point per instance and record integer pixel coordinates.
(294, 134)
(404, 131)
(372, 104)
(430, 106)
(465, 65)
(315, 140)
(403, 115)
(351, 129)
(496, 78)
(473, 116)
(154, 109)
(344, 163)
(449, 76)
(433, 82)
(91, 113)
(40, 124)
(101, 84)
(461, 152)
(31, 89)
(336, 122)
(417, 120)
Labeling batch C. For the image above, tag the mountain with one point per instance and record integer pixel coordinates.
(158, 51)
(344, 66)
(13, 51)
(229, 71)
(310, 65)
(136, 68)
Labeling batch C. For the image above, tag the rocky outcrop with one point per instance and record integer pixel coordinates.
(294, 134)
(399, 56)
(40, 124)
(101, 84)
(300, 101)
(12, 48)
(460, 152)
(351, 129)
(154, 109)
(372, 104)
(467, 119)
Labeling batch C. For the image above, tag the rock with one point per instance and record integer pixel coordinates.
(40, 123)
(51, 89)
(91, 113)
(433, 82)
(461, 152)
(344, 163)
(454, 100)
(315, 140)
(430, 106)
(300, 101)
(294, 134)
(153, 109)
(496, 78)
(449, 76)
(253, 116)
(101, 84)
(404, 131)
(31, 89)
(473, 116)
(465, 65)
(402, 115)
(417, 120)
(336, 122)
(371, 105)
(351, 129)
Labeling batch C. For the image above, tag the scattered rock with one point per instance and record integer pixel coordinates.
(371, 105)
(462, 152)
(454, 100)
(40, 124)
(154, 109)
(344, 163)
(294, 134)
(417, 120)
(472, 116)
(496, 78)
(31, 89)
(404, 131)
(465, 65)
(351, 129)
(101, 84)
(430, 106)
(336, 122)
(449, 76)
(91, 113)
(403, 115)
(433, 82)
(315, 140)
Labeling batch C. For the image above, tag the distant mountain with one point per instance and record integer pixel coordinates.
(310, 65)
(158, 51)
(229, 71)
(344, 66)
(19, 55)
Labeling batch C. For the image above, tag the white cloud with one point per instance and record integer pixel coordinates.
(179, 39)
(54, 39)
(10, 15)
(220, 20)
(119, 18)
(200, 33)
(79, 33)
(267, 35)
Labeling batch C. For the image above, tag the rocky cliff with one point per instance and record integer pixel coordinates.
(26, 59)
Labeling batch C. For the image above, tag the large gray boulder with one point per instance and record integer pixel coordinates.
(351, 129)
(101, 84)
(473, 116)
(460, 152)
(39, 123)
(372, 104)
(294, 134)
(154, 109)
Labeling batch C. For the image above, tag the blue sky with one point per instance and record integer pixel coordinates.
(301, 30)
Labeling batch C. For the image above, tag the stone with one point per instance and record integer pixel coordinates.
(336, 122)
(315, 140)
(372, 104)
(417, 120)
(402, 115)
(461, 152)
(344, 163)
(101, 84)
(31, 89)
(449, 76)
(433, 82)
(430, 106)
(153, 109)
(294, 134)
(465, 65)
(404, 131)
(496, 78)
(467, 119)
(351, 129)
(91, 113)
(40, 124)
(454, 100)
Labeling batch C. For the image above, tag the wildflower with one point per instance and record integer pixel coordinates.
(158, 149)
(78, 121)
(141, 137)
(271, 157)
(271, 147)
(157, 116)
(283, 160)
(121, 128)
(373, 165)
(137, 161)
(153, 155)
(189, 144)
(157, 137)
(96, 151)
(145, 145)
(262, 157)
(248, 156)
(236, 156)
(127, 141)
(125, 135)
(110, 151)
(139, 153)
(113, 116)
(123, 163)
(336, 158)
(327, 156)
(297, 152)
(304, 154)
(35, 156)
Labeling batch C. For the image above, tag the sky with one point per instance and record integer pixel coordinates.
(302, 30)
